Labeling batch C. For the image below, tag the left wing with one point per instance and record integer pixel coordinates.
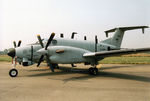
(115, 52)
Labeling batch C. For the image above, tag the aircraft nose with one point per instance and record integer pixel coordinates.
(11, 52)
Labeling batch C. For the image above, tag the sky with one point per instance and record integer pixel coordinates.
(24, 19)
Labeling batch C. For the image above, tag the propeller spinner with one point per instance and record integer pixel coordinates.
(12, 51)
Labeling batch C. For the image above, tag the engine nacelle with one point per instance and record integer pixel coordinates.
(67, 54)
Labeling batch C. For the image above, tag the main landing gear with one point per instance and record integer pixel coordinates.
(93, 71)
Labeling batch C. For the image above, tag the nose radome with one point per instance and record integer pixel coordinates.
(11, 52)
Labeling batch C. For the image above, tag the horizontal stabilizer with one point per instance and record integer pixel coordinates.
(125, 29)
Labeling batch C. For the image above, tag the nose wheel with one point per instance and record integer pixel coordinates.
(93, 71)
(13, 72)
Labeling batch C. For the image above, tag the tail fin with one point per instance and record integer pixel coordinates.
(116, 40)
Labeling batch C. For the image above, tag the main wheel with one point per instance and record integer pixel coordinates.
(13, 72)
(55, 66)
(93, 71)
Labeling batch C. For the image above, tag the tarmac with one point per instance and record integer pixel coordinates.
(115, 82)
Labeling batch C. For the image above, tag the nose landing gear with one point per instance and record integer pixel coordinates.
(13, 72)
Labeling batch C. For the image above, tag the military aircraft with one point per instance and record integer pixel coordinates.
(69, 51)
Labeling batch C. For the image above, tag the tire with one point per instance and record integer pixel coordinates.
(55, 66)
(93, 71)
(13, 72)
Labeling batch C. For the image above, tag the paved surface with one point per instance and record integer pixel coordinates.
(113, 83)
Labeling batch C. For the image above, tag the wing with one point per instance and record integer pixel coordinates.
(115, 53)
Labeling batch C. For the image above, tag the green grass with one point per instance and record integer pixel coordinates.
(109, 60)
(5, 58)
(126, 60)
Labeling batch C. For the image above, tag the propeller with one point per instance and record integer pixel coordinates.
(73, 33)
(44, 51)
(19, 43)
(12, 51)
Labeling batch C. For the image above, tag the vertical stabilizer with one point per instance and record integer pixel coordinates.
(116, 40)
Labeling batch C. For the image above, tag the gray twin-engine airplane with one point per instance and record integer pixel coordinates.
(69, 51)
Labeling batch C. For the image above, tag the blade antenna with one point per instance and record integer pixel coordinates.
(85, 38)
(96, 42)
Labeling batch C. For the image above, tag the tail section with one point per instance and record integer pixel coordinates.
(116, 40)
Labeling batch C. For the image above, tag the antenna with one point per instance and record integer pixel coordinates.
(96, 41)
(73, 33)
(84, 37)
(61, 35)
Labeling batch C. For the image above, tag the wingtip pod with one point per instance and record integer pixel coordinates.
(146, 26)
(143, 29)
(109, 31)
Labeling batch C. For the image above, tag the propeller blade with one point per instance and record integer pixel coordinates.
(19, 43)
(48, 61)
(40, 60)
(40, 41)
(49, 40)
(14, 44)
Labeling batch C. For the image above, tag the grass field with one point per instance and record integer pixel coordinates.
(126, 59)
(5, 58)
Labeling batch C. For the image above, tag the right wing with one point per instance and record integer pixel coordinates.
(104, 54)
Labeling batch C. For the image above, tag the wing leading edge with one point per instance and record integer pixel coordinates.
(115, 53)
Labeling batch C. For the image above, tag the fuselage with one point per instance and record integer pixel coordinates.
(83, 44)
(29, 52)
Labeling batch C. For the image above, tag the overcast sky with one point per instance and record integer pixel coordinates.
(24, 19)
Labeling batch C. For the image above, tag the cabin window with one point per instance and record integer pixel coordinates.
(54, 42)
